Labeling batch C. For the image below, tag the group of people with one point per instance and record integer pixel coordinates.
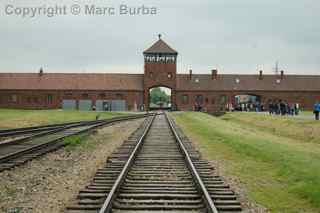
(316, 110)
(283, 108)
(248, 107)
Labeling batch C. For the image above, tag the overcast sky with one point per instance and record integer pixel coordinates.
(235, 36)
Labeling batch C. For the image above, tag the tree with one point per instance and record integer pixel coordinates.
(158, 96)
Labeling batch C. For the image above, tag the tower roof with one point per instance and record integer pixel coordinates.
(160, 47)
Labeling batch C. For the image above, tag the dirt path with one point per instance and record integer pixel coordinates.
(49, 183)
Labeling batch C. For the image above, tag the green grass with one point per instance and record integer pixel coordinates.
(83, 141)
(279, 171)
(12, 118)
(75, 140)
(306, 112)
(300, 129)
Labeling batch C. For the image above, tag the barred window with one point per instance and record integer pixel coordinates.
(85, 95)
(102, 95)
(13, 98)
(119, 96)
(223, 99)
(49, 99)
(185, 99)
(199, 99)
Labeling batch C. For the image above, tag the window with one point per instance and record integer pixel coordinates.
(207, 100)
(102, 95)
(169, 75)
(223, 99)
(119, 96)
(151, 74)
(185, 99)
(49, 99)
(13, 98)
(199, 99)
(213, 101)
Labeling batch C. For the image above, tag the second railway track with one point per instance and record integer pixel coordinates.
(17, 152)
(156, 170)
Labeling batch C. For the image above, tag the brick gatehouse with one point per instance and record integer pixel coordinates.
(131, 91)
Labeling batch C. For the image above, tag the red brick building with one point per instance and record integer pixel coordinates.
(131, 91)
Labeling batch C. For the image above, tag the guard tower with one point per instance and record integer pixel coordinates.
(160, 70)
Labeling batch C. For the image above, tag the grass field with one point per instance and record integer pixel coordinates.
(291, 127)
(276, 159)
(12, 118)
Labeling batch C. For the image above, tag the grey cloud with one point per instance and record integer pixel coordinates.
(235, 36)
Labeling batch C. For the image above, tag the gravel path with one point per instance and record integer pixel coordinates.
(49, 183)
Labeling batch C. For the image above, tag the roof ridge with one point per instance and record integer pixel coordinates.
(160, 46)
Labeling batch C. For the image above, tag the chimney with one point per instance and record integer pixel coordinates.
(41, 72)
(214, 74)
(190, 74)
(260, 75)
(281, 74)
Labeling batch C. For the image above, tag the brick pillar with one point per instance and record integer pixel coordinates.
(146, 100)
(174, 100)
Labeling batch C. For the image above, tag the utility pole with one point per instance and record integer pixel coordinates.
(276, 69)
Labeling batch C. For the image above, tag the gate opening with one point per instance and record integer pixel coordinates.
(248, 103)
(160, 98)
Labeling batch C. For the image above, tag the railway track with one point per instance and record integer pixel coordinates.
(32, 130)
(27, 131)
(156, 170)
(16, 152)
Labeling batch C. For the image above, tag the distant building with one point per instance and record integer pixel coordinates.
(131, 91)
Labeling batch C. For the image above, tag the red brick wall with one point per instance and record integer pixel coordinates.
(212, 99)
(156, 74)
(30, 99)
(39, 99)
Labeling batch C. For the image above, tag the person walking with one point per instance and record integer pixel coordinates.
(296, 109)
(316, 110)
(271, 110)
(292, 110)
(277, 107)
(282, 108)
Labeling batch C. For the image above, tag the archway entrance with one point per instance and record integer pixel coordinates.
(248, 103)
(160, 98)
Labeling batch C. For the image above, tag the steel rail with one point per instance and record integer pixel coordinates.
(39, 146)
(20, 140)
(210, 205)
(28, 130)
(69, 126)
(107, 205)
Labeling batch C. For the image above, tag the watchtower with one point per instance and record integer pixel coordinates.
(160, 70)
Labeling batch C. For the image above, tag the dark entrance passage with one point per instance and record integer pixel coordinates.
(160, 98)
(248, 103)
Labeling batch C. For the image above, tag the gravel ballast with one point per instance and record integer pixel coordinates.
(50, 183)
